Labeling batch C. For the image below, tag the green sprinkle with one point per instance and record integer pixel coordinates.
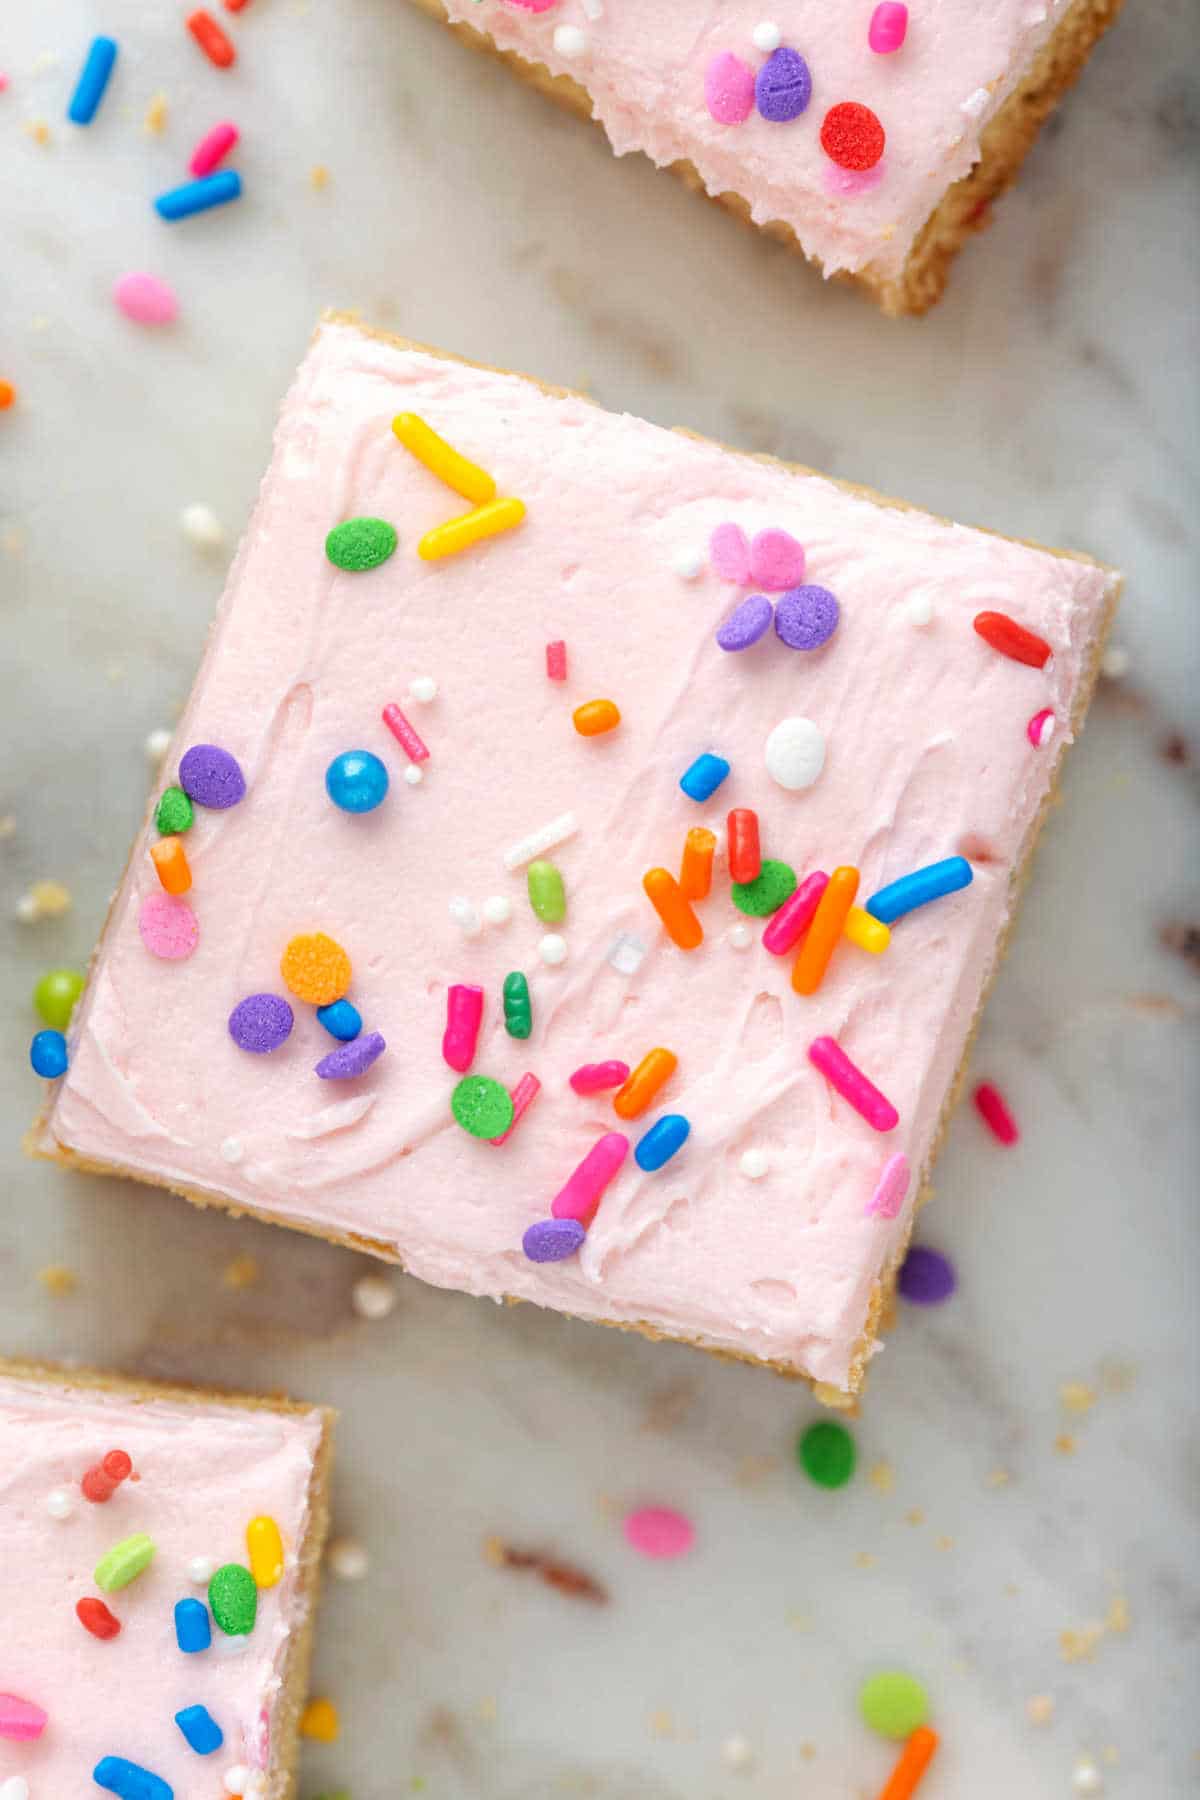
(173, 813)
(774, 883)
(518, 1008)
(359, 544)
(482, 1106)
(124, 1562)
(547, 896)
(826, 1454)
(233, 1599)
(55, 995)
(893, 1703)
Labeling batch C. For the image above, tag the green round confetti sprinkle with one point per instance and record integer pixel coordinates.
(893, 1703)
(518, 1008)
(826, 1453)
(124, 1562)
(55, 995)
(173, 813)
(774, 883)
(359, 544)
(233, 1599)
(482, 1106)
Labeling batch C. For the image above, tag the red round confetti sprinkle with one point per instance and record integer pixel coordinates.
(97, 1487)
(95, 1617)
(851, 136)
(1011, 639)
(118, 1465)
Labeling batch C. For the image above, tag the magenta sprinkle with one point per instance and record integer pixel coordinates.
(211, 777)
(776, 561)
(927, 1277)
(349, 1060)
(522, 1097)
(1040, 728)
(795, 916)
(400, 728)
(261, 1023)
(729, 89)
(888, 27)
(659, 1532)
(212, 147)
(593, 1077)
(827, 1055)
(993, 1109)
(464, 1013)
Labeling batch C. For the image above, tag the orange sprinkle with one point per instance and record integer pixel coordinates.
(8, 394)
(170, 859)
(320, 1720)
(315, 969)
(673, 908)
(655, 1069)
(211, 39)
(595, 717)
(695, 875)
(915, 1758)
(808, 972)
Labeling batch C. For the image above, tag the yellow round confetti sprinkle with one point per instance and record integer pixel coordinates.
(315, 969)
(320, 1720)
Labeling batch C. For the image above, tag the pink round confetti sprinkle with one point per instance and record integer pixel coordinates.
(729, 89)
(212, 147)
(992, 1108)
(729, 553)
(889, 24)
(890, 1190)
(659, 1532)
(168, 926)
(776, 561)
(591, 1078)
(1040, 728)
(146, 300)
(20, 1720)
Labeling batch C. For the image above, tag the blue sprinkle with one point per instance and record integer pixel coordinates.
(48, 1054)
(129, 1781)
(341, 1020)
(93, 79)
(192, 1629)
(357, 781)
(705, 776)
(931, 883)
(658, 1145)
(200, 1729)
(198, 196)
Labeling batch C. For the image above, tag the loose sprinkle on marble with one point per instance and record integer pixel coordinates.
(482, 1107)
(891, 1190)
(157, 743)
(212, 39)
(199, 196)
(893, 1704)
(659, 1532)
(827, 1454)
(911, 1765)
(553, 949)
(213, 146)
(1012, 640)
(347, 1559)
(93, 80)
(827, 1055)
(315, 969)
(201, 526)
(211, 777)
(168, 926)
(373, 1297)
(795, 753)
(320, 1722)
(145, 299)
(754, 1164)
(927, 1278)
(994, 1110)
(357, 545)
(349, 1061)
(48, 1054)
(852, 137)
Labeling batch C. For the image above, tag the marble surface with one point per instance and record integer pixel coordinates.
(1053, 396)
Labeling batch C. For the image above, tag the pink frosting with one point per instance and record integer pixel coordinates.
(927, 755)
(649, 65)
(201, 1472)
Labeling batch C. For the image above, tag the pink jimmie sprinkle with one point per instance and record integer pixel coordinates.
(788, 925)
(826, 1054)
(523, 1097)
(888, 27)
(581, 1195)
(408, 740)
(593, 1077)
(992, 1108)
(1040, 728)
(659, 1532)
(556, 660)
(464, 1010)
(20, 1720)
(211, 148)
(890, 1190)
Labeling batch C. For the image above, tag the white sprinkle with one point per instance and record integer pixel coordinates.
(795, 753)
(767, 36)
(231, 1646)
(59, 1503)
(754, 1164)
(919, 611)
(235, 1778)
(414, 774)
(544, 838)
(201, 1570)
(201, 526)
(373, 1297)
(156, 746)
(423, 688)
(569, 40)
(625, 953)
(1115, 662)
(497, 909)
(26, 909)
(976, 104)
(15, 1788)
(231, 1149)
(553, 949)
(735, 1751)
(466, 915)
(347, 1559)
(740, 937)
(1086, 1778)
(1045, 731)
(687, 564)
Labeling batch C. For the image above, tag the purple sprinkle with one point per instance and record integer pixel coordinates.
(746, 624)
(927, 1277)
(211, 777)
(806, 617)
(784, 86)
(260, 1023)
(349, 1060)
(553, 1240)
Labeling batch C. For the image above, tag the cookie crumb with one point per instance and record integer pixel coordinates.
(373, 1297)
(998, 1478)
(736, 1752)
(1039, 1709)
(58, 1281)
(242, 1272)
(156, 115)
(1064, 1443)
(38, 130)
(318, 177)
(347, 1559)
(882, 1477)
(1076, 1397)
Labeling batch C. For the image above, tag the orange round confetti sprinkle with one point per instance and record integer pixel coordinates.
(655, 1069)
(8, 394)
(595, 717)
(315, 969)
(320, 1720)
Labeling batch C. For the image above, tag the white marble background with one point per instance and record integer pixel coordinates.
(1053, 396)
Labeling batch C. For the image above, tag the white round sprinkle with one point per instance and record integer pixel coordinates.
(414, 775)
(1087, 1778)
(919, 611)
(976, 104)
(157, 744)
(736, 1752)
(231, 1149)
(570, 41)
(230, 1646)
(795, 753)
(26, 909)
(687, 564)
(347, 1559)
(1115, 662)
(201, 1570)
(423, 688)
(235, 1778)
(754, 1164)
(466, 915)
(553, 949)
(201, 526)
(15, 1788)
(740, 937)
(59, 1503)
(373, 1297)
(497, 909)
(767, 36)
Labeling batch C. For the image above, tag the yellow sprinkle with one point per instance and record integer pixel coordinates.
(320, 1720)
(241, 1273)
(1076, 1397)
(318, 176)
(443, 460)
(156, 115)
(867, 932)
(38, 130)
(1064, 1443)
(45, 900)
(265, 1547)
(1040, 1709)
(459, 534)
(58, 1280)
(882, 1477)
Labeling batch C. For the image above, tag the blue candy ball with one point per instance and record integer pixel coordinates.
(356, 781)
(48, 1054)
(341, 1020)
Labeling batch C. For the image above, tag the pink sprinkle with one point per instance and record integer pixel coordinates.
(522, 1097)
(592, 1077)
(993, 1110)
(556, 660)
(581, 1195)
(847, 182)
(212, 147)
(20, 1720)
(776, 561)
(533, 6)
(891, 1188)
(729, 553)
(659, 1532)
(464, 1011)
(168, 926)
(408, 740)
(788, 925)
(1040, 728)
(826, 1054)
(889, 23)
(729, 89)
(146, 300)
(3, 81)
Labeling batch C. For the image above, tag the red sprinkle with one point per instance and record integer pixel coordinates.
(1011, 639)
(95, 1617)
(235, 5)
(745, 856)
(211, 39)
(556, 660)
(993, 1110)
(101, 1482)
(409, 740)
(851, 136)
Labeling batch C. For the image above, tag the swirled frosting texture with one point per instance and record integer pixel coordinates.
(927, 754)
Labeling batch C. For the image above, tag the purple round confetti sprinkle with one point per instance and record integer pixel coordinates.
(746, 624)
(553, 1240)
(349, 1060)
(211, 777)
(783, 87)
(927, 1277)
(806, 617)
(260, 1023)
